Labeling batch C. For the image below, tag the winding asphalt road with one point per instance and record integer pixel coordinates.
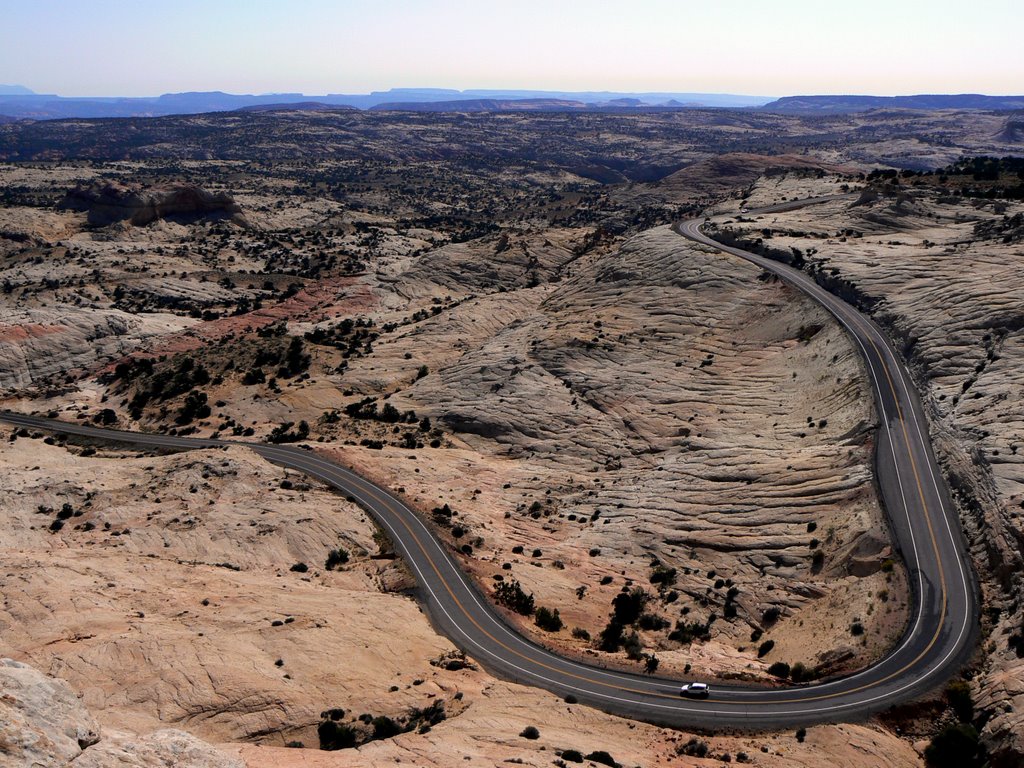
(944, 606)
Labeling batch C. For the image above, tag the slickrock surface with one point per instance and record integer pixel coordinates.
(42, 721)
(688, 424)
(167, 747)
(487, 733)
(58, 344)
(945, 274)
(153, 640)
(595, 408)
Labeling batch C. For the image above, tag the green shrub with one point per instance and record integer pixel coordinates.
(511, 595)
(798, 673)
(602, 757)
(663, 575)
(384, 727)
(765, 648)
(779, 669)
(610, 638)
(334, 735)
(336, 558)
(548, 620)
(629, 605)
(572, 755)
(530, 732)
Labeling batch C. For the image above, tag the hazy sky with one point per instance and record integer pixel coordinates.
(761, 47)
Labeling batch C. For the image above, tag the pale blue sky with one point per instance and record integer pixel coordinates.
(765, 47)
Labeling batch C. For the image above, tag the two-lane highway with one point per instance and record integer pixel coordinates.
(944, 607)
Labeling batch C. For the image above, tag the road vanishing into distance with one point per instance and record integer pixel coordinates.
(944, 606)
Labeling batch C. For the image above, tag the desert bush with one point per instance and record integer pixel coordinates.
(955, 746)
(958, 694)
(511, 595)
(335, 558)
(334, 735)
(765, 648)
(384, 727)
(610, 639)
(629, 605)
(663, 575)
(284, 433)
(799, 672)
(530, 732)
(547, 619)
(693, 748)
(602, 757)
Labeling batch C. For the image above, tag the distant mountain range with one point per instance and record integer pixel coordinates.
(15, 90)
(824, 104)
(18, 102)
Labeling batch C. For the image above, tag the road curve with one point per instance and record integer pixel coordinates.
(944, 607)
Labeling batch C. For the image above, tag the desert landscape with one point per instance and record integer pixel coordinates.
(669, 450)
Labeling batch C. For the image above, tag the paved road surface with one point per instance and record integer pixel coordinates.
(944, 607)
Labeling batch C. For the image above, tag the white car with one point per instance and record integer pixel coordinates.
(695, 690)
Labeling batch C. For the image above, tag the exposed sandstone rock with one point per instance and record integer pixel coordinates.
(161, 749)
(42, 721)
(106, 203)
(46, 345)
(947, 286)
(659, 402)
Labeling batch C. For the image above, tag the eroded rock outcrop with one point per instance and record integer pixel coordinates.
(106, 203)
(42, 721)
(168, 747)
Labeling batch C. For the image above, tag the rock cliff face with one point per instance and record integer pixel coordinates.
(106, 203)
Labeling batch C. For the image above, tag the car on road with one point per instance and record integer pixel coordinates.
(695, 690)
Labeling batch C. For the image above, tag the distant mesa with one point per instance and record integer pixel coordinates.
(837, 104)
(21, 103)
(298, 106)
(480, 105)
(16, 90)
(111, 202)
